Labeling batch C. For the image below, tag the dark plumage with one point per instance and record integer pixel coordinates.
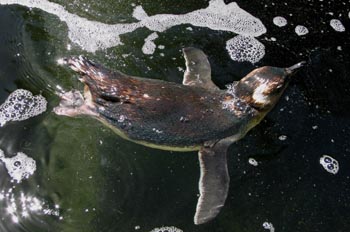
(193, 116)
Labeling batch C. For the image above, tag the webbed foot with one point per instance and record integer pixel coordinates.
(73, 103)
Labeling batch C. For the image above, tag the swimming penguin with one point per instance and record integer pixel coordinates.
(193, 116)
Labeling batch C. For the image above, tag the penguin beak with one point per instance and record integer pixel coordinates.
(292, 69)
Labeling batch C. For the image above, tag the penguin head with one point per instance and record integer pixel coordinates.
(263, 87)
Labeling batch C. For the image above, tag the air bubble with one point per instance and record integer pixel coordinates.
(337, 25)
(268, 226)
(17, 163)
(301, 30)
(279, 21)
(282, 137)
(21, 105)
(253, 162)
(330, 164)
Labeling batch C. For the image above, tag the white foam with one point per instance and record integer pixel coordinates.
(301, 30)
(279, 21)
(92, 35)
(149, 46)
(19, 167)
(282, 137)
(330, 164)
(245, 48)
(337, 25)
(268, 226)
(253, 162)
(166, 229)
(21, 105)
(217, 16)
(139, 13)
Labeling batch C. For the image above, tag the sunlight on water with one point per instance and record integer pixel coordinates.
(20, 206)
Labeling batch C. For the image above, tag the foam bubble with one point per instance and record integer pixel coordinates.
(19, 167)
(337, 25)
(21, 105)
(301, 30)
(217, 16)
(166, 229)
(282, 137)
(149, 46)
(268, 226)
(243, 48)
(280, 21)
(330, 164)
(139, 13)
(253, 162)
(92, 35)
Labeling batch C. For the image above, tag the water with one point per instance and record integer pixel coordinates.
(88, 179)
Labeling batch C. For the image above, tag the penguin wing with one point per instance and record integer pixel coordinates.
(198, 71)
(213, 183)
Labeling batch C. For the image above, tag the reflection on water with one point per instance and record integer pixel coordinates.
(88, 179)
(19, 206)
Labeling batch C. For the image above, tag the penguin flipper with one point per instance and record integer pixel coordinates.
(213, 183)
(198, 71)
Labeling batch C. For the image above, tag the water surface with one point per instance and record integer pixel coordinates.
(88, 179)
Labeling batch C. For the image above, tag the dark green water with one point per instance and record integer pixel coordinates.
(104, 183)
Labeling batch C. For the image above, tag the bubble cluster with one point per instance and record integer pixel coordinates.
(279, 21)
(19, 167)
(21, 105)
(92, 35)
(149, 46)
(245, 48)
(330, 164)
(301, 30)
(166, 229)
(337, 25)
